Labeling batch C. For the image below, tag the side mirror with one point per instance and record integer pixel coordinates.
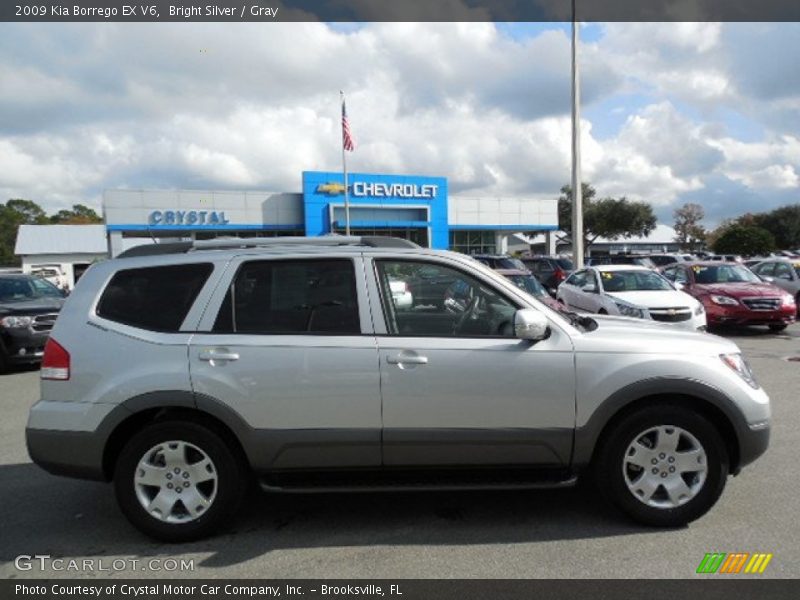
(589, 288)
(530, 324)
(767, 278)
(678, 285)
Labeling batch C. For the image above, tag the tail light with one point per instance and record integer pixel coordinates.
(55, 363)
(560, 275)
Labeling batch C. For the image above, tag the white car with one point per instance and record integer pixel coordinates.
(401, 294)
(631, 291)
(51, 273)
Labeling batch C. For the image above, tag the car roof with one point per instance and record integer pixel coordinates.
(619, 268)
(507, 272)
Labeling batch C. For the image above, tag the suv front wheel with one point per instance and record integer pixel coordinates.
(663, 465)
(178, 481)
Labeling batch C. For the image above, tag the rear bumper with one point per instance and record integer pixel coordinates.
(68, 453)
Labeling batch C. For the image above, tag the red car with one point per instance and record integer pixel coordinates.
(733, 295)
(529, 283)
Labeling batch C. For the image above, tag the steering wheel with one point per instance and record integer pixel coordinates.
(469, 312)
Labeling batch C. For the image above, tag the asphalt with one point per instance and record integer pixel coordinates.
(543, 534)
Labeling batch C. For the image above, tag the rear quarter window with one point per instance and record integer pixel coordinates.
(153, 298)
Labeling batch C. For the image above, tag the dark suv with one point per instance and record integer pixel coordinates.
(28, 309)
(550, 271)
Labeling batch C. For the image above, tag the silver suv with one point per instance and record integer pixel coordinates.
(180, 371)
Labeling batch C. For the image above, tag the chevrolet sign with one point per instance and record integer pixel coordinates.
(394, 190)
(331, 188)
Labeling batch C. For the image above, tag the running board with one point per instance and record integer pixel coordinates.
(415, 481)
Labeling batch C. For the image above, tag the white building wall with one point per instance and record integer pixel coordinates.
(528, 211)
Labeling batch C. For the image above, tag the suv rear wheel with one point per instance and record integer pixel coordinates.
(662, 465)
(178, 481)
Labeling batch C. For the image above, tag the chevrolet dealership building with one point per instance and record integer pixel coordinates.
(413, 207)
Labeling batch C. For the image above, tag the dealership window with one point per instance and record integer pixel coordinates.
(291, 296)
(418, 235)
(473, 242)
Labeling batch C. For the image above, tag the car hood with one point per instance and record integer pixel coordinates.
(655, 299)
(740, 290)
(31, 307)
(628, 335)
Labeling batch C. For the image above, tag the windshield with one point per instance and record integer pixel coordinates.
(724, 274)
(565, 264)
(507, 262)
(633, 281)
(21, 289)
(529, 283)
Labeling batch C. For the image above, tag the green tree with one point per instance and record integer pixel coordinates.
(784, 224)
(14, 213)
(689, 233)
(79, 215)
(747, 240)
(611, 218)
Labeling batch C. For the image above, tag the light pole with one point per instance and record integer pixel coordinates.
(577, 191)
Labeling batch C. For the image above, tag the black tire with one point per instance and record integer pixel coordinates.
(230, 483)
(775, 327)
(602, 311)
(610, 455)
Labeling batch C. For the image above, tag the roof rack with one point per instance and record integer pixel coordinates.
(235, 242)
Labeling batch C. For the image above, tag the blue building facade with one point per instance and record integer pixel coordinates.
(409, 204)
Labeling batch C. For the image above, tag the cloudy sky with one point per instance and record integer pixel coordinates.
(672, 112)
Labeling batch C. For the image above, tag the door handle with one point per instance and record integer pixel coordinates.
(221, 355)
(402, 359)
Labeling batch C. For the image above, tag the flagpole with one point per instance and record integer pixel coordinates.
(344, 170)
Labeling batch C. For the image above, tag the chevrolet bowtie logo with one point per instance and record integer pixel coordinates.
(331, 189)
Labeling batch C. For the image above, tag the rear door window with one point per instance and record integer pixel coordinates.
(153, 298)
(291, 297)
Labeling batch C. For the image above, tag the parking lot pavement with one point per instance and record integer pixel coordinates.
(566, 533)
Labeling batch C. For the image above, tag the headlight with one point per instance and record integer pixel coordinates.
(699, 310)
(15, 322)
(788, 300)
(740, 366)
(724, 300)
(627, 310)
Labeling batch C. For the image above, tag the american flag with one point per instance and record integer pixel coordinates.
(348, 143)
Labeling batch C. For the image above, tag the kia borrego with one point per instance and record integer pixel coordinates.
(631, 291)
(733, 295)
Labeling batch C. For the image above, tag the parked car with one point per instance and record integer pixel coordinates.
(549, 270)
(733, 295)
(619, 259)
(782, 273)
(500, 261)
(51, 273)
(661, 260)
(401, 294)
(724, 258)
(28, 309)
(631, 291)
(527, 282)
(182, 371)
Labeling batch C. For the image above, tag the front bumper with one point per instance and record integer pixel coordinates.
(23, 345)
(740, 315)
(753, 443)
